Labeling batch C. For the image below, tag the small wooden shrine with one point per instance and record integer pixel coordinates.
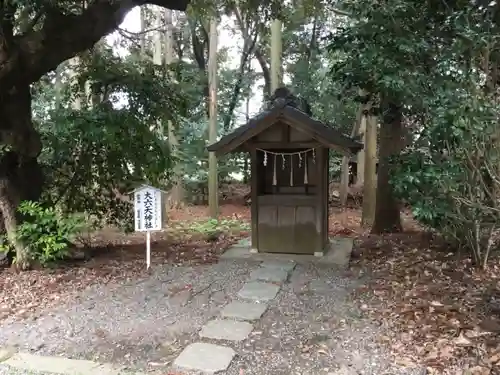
(289, 174)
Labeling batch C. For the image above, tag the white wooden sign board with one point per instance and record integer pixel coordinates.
(147, 214)
(147, 208)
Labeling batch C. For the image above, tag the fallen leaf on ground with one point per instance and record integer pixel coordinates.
(433, 303)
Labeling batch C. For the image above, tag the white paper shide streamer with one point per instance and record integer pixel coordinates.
(300, 156)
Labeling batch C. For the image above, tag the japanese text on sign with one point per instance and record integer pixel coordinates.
(147, 208)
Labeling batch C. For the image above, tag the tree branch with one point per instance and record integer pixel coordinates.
(178, 46)
(129, 37)
(139, 33)
(247, 51)
(341, 12)
(259, 55)
(198, 48)
(27, 24)
(62, 36)
(312, 44)
(7, 12)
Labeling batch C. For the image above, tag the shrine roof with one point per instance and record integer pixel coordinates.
(286, 110)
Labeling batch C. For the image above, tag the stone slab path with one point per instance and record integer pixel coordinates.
(234, 324)
(258, 291)
(243, 310)
(274, 275)
(313, 326)
(287, 266)
(58, 365)
(222, 329)
(209, 358)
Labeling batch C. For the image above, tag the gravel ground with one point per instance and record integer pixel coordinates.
(4, 370)
(132, 324)
(312, 327)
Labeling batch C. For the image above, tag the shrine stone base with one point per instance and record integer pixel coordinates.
(338, 253)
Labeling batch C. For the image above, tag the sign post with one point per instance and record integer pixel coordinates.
(148, 249)
(147, 214)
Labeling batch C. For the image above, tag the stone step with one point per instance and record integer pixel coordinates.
(62, 366)
(244, 310)
(204, 357)
(273, 275)
(284, 265)
(221, 329)
(258, 291)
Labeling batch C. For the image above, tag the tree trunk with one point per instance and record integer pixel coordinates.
(26, 56)
(366, 109)
(177, 193)
(21, 177)
(387, 213)
(213, 185)
(344, 171)
(199, 46)
(246, 164)
(259, 55)
(369, 173)
(59, 86)
(8, 204)
(360, 165)
(246, 170)
(276, 51)
(142, 39)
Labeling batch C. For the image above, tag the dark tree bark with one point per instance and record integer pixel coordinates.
(61, 36)
(246, 170)
(259, 54)
(247, 50)
(200, 45)
(24, 58)
(387, 211)
(21, 177)
(15, 172)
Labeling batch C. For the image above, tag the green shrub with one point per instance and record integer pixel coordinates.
(207, 228)
(451, 177)
(5, 247)
(45, 232)
(212, 226)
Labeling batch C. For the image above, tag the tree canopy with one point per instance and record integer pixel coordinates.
(91, 123)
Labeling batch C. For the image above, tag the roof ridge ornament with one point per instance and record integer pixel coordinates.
(283, 97)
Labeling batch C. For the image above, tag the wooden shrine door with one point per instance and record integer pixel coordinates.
(289, 205)
(288, 224)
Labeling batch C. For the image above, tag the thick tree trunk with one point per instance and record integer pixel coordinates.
(213, 185)
(20, 174)
(25, 56)
(387, 212)
(360, 165)
(344, 171)
(259, 55)
(276, 55)
(177, 193)
(246, 170)
(369, 173)
(59, 37)
(8, 203)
